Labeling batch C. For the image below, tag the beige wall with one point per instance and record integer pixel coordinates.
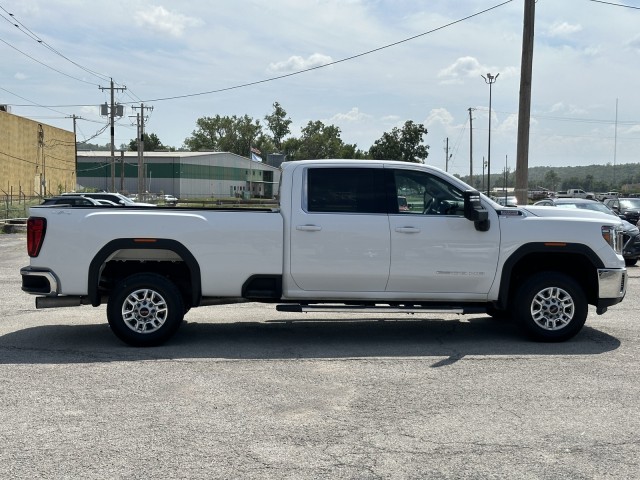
(35, 159)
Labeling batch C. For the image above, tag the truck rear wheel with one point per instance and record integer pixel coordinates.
(145, 310)
(551, 307)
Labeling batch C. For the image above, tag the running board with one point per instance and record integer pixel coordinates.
(305, 308)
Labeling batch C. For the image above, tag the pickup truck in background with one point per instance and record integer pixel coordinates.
(339, 241)
(575, 193)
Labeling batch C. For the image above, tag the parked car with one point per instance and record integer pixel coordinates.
(631, 233)
(629, 207)
(508, 201)
(170, 199)
(71, 200)
(113, 197)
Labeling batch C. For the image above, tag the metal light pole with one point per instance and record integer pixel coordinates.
(490, 80)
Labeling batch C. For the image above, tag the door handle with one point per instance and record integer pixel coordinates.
(407, 230)
(309, 228)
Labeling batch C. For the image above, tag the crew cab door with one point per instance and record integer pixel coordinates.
(434, 248)
(340, 230)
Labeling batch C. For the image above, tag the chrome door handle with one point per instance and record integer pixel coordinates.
(407, 230)
(309, 228)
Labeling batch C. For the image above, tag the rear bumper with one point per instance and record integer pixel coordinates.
(39, 281)
(612, 287)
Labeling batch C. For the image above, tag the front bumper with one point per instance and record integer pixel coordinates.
(612, 287)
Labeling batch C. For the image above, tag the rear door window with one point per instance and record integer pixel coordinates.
(345, 190)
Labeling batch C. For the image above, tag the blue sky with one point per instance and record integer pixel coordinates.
(586, 55)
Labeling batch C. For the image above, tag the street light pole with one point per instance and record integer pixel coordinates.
(490, 80)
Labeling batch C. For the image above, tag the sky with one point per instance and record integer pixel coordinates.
(382, 62)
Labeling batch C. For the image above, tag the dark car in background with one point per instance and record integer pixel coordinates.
(631, 233)
(629, 207)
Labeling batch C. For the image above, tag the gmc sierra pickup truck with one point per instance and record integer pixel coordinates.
(349, 235)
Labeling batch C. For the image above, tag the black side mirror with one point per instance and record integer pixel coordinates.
(474, 211)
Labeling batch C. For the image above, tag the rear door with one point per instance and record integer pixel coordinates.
(340, 230)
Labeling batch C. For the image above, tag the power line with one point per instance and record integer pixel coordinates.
(24, 29)
(615, 4)
(336, 62)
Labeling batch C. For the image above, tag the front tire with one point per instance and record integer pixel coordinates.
(551, 307)
(145, 310)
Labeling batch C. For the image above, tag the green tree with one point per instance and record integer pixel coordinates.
(151, 143)
(316, 142)
(551, 180)
(278, 125)
(226, 134)
(402, 144)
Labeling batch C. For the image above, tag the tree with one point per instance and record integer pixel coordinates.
(316, 142)
(278, 125)
(151, 143)
(402, 144)
(226, 134)
(551, 180)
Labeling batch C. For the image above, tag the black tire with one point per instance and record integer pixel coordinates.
(551, 307)
(145, 310)
(630, 262)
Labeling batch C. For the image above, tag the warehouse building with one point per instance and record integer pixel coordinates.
(182, 174)
(36, 160)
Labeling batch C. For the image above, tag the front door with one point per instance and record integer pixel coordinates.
(434, 248)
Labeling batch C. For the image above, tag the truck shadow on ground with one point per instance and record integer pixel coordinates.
(298, 339)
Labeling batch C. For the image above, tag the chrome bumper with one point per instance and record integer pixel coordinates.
(612, 287)
(39, 282)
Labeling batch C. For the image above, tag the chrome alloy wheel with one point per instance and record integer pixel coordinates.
(552, 308)
(144, 311)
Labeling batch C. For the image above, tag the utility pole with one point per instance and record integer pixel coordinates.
(446, 156)
(75, 147)
(489, 80)
(471, 146)
(524, 110)
(141, 167)
(112, 116)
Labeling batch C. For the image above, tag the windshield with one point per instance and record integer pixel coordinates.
(630, 203)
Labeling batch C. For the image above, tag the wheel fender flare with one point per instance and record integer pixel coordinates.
(540, 248)
(95, 267)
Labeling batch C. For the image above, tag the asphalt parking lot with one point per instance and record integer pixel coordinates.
(246, 392)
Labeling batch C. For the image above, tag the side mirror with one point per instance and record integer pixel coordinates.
(474, 211)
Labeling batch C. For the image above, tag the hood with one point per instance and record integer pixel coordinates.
(556, 212)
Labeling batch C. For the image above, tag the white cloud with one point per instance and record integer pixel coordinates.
(439, 116)
(161, 20)
(560, 107)
(461, 68)
(296, 63)
(563, 29)
(634, 43)
(353, 115)
(20, 76)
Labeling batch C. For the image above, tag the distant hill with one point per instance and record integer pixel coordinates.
(594, 178)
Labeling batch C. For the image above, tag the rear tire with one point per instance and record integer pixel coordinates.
(630, 262)
(551, 307)
(145, 310)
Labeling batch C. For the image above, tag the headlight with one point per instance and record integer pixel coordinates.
(613, 236)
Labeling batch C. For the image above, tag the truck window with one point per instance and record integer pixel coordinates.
(427, 194)
(345, 190)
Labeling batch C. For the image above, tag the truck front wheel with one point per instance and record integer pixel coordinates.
(551, 307)
(145, 310)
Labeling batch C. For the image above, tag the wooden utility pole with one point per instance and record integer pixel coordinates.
(524, 110)
(112, 117)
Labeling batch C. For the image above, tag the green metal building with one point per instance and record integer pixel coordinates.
(182, 174)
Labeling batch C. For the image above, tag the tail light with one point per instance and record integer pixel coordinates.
(36, 228)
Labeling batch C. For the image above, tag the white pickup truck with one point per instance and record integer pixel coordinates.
(340, 241)
(576, 193)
